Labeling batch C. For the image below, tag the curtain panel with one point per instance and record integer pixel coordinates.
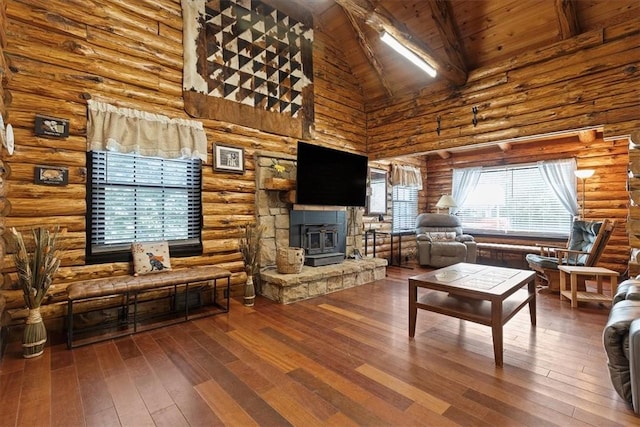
(125, 130)
(406, 176)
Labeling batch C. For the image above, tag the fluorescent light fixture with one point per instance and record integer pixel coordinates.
(398, 47)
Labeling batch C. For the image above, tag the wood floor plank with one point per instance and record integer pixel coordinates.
(127, 401)
(35, 398)
(92, 387)
(344, 403)
(424, 399)
(344, 364)
(247, 398)
(296, 412)
(188, 401)
(10, 389)
(223, 405)
(66, 394)
(151, 390)
(342, 359)
(169, 416)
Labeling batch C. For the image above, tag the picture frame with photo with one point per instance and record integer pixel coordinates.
(51, 175)
(228, 158)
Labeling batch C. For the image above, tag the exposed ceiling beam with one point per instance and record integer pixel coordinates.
(567, 18)
(504, 146)
(381, 20)
(443, 17)
(444, 154)
(587, 136)
(368, 51)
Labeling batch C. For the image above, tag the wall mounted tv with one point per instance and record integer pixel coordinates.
(330, 177)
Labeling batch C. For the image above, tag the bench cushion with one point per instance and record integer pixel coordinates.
(122, 284)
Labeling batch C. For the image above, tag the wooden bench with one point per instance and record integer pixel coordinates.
(173, 284)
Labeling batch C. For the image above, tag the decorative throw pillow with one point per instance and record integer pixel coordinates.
(442, 236)
(150, 257)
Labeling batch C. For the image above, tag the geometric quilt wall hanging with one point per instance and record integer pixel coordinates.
(249, 63)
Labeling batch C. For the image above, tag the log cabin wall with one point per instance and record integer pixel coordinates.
(605, 192)
(130, 54)
(584, 81)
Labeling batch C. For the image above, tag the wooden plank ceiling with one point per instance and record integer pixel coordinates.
(460, 35)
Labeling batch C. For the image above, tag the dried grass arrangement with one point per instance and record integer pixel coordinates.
(250, 244)
(36, 267)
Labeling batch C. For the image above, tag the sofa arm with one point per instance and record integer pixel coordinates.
(616, 341)
(424, 252)
(634, 364)
(629, 289)
(472, 252)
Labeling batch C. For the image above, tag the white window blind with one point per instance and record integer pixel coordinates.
(137, 198)
(405, 208)
(514, 201)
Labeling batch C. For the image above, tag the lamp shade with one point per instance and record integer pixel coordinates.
(446, 201)
(584, 173)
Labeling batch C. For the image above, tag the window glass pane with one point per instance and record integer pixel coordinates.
(514, 201)
(136, 198)
(405, 208)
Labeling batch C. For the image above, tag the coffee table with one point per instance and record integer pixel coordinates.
(478, 293)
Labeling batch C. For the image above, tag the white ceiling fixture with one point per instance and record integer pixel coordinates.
(401, 49)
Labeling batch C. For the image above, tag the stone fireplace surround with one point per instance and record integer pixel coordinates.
(272, 211)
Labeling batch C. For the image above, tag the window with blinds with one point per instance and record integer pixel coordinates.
(136, 198)
(405, 208)
(514, 201)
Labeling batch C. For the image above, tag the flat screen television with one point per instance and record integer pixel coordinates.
(330, 177)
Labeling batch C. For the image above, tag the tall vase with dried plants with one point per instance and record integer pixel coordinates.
(36, 267)
(250, 244)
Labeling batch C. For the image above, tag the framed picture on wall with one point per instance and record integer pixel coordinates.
(51, 175)
(377, 200)
(228, 159)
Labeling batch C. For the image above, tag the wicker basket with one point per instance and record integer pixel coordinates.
(290, 260)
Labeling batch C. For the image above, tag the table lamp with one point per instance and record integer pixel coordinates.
(446, 202)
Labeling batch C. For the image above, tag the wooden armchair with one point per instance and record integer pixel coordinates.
(586, 244)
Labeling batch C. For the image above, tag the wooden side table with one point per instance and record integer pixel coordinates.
(572, 293)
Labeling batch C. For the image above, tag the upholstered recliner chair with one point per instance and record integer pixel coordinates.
(441, 241)
(621, 339)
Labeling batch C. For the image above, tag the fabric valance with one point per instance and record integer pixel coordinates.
(407, 176)
(125, 130)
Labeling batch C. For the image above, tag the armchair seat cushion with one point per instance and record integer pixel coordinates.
(546, 261)
(447, 253)
(450, 249)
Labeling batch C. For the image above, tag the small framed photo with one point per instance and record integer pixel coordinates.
(51, 127)
(228, 159)
(51, 175)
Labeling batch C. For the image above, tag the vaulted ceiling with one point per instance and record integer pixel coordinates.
(459, 35)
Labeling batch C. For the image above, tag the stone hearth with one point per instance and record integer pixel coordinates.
(316, 281)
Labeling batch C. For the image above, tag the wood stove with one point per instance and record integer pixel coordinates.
(320, 239)
(322, 234)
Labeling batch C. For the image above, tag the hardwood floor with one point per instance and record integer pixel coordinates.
(343, 359)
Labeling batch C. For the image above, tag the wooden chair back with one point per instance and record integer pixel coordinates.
(606, 229)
